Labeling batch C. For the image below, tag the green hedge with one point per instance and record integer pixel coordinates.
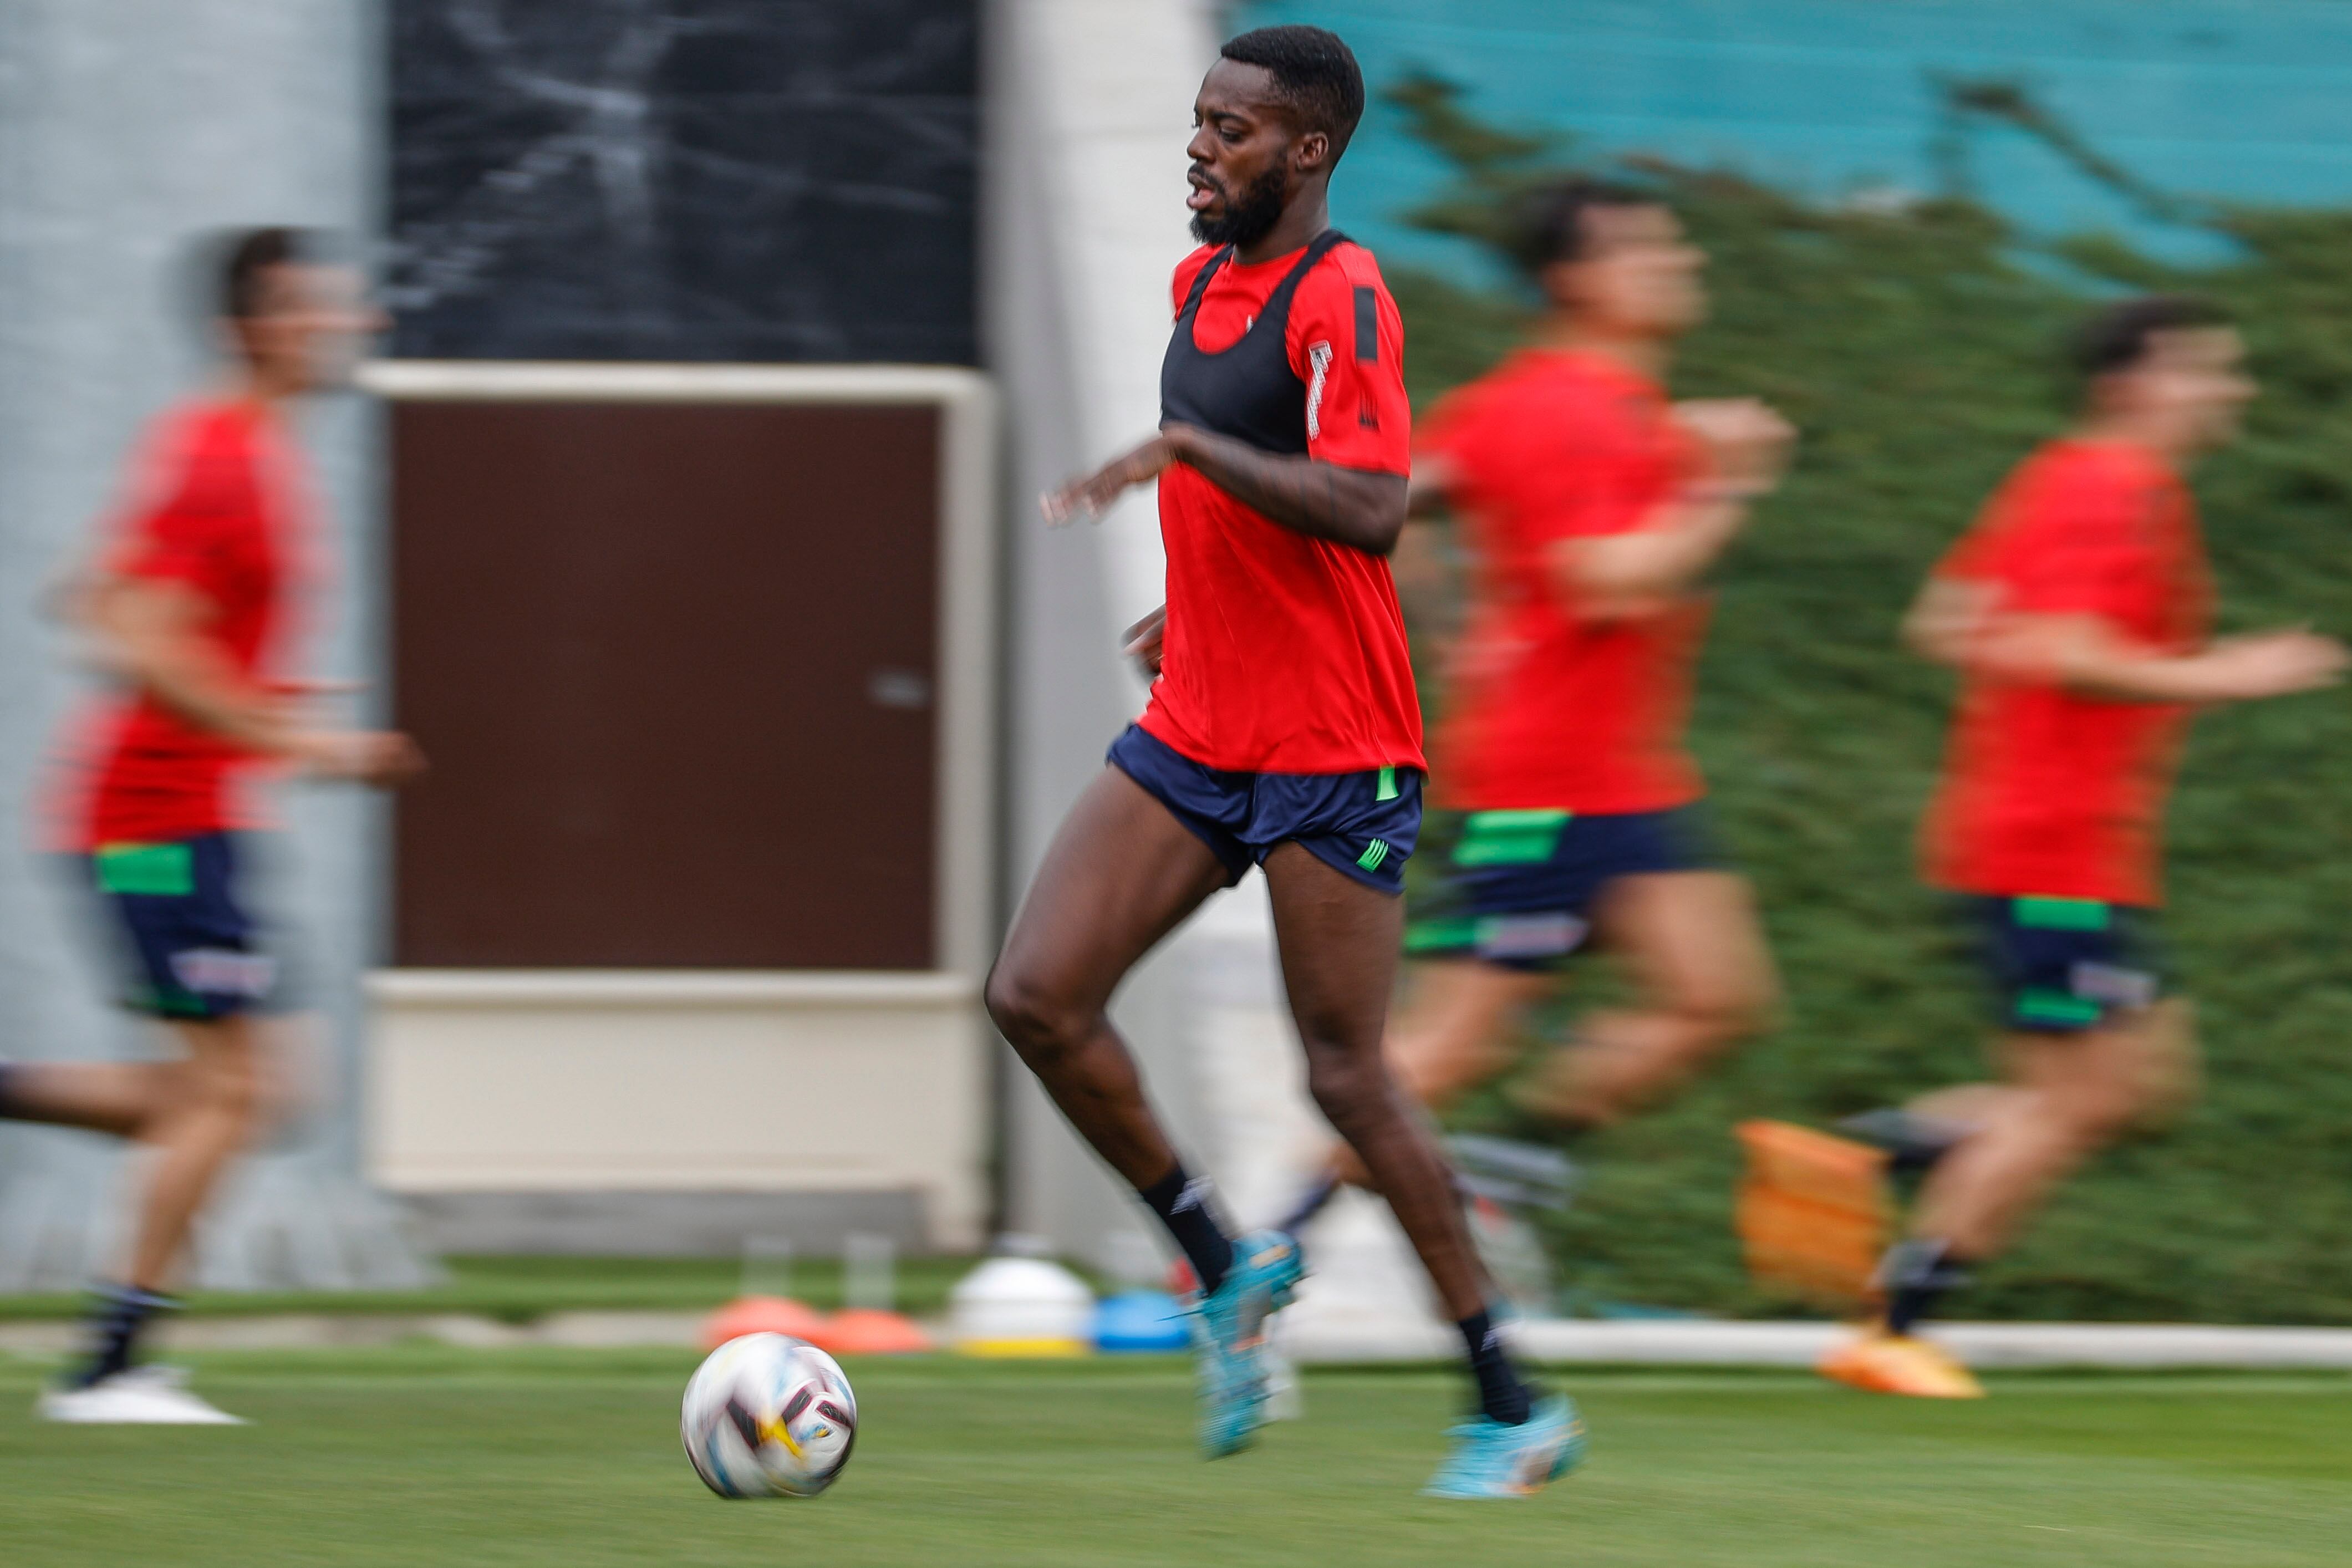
(1915, 351)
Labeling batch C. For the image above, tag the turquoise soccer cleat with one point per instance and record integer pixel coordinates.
(1490, 1460)
(1229, 1337)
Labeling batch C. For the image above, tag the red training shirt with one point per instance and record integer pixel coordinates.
(1285, 654)
(2047, 792)
(1549, 710)
(218, 502)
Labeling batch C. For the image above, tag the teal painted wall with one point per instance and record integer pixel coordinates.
(2194, 97)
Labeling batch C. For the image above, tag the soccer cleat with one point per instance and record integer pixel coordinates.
(1493, 1461)
(144, 1397)
(1882, 1362)
(1229, 1339)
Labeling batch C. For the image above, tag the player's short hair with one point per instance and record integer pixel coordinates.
(1548, 227)
(1315, 72)
(2119, 336)
(240, 257)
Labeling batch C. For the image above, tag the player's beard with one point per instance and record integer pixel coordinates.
(1249, 217)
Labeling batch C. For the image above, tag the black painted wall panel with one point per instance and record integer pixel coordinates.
(763, 180)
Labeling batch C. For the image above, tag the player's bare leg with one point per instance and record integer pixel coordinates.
(1339, 940)
(195, 1115)
(2065, 1097)
(1453, 1035)
(1696, 952)
(2072, 1096)
(196, 1138)
(1120, 874)
(119, 1099)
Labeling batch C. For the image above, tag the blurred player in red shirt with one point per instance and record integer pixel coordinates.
(191, 611)
(2078, 611)
(1283, 732)
(1591, 509)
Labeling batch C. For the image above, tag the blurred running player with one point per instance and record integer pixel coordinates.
(1592, 510)
(190, 609)
(1283, 732)
(2077, 611)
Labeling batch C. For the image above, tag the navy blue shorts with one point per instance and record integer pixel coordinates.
(1520, 886)
(2063, 965)
(1364, 824)
(191, 950)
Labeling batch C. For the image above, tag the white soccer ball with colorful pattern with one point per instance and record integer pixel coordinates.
(767, 1416)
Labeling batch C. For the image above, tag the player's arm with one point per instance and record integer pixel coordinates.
(1306, 494)
(1962, 624)
(1640, 571)
(1145, 641)
(1429, 588)
(155, 633)
(1427, 488)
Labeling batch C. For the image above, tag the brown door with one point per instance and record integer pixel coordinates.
(673, 665)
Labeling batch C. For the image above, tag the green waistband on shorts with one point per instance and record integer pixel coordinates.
(147, 870)
(2062, 914)
(1510, 838)
(1441, 935)
(2036, 1005)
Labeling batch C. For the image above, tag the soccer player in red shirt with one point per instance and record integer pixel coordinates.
(190, 609)
(1283, 732)
(2077, 610)
(1592, 510)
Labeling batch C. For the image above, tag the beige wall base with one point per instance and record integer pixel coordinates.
(675, 1082)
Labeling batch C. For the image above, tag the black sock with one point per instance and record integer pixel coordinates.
(1182, 1205)
(1916, 1275)
(1503, 1394)
(1321, 1191)
(116, 1319)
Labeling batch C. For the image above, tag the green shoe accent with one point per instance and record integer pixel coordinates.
(147, 870)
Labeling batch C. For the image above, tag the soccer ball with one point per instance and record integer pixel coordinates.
(767, 1416)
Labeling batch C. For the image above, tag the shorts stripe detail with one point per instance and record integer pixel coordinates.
(2062, 914)
(147, 870)
(1374, 853)
(1386, 789)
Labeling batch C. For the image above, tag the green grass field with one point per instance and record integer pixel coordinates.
(417, 1456)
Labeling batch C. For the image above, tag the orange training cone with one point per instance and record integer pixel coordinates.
(762, 1315)
(866, 1330)
(1815, 1213)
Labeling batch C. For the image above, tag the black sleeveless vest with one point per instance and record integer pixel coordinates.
(1248, 392)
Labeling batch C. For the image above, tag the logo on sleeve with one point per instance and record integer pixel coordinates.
(1318, 360)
